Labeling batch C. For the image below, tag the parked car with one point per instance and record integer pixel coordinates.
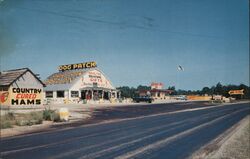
(181, 97)
(143, 99)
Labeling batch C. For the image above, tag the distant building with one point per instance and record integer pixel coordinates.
(155, 85)
(156, 91)
(76, 83)
(20, 87)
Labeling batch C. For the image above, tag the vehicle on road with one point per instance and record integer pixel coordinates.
(181, 97)
(143, 99)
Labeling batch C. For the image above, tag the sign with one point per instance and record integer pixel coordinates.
(77, 66)
(26, 96)
(236, 92)
(156, 85)
(94, 78)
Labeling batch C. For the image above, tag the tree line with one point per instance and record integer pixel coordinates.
(218, 89)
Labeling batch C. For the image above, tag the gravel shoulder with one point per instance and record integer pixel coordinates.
(233, 144)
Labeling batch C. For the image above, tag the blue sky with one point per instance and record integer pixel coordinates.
(133, 41)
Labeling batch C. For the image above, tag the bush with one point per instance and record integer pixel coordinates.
(10, 116)
(47, 114)
(51, 115)
(56, 117)
(5, 124)
(30, 119)
(36, 117)
(7, 120)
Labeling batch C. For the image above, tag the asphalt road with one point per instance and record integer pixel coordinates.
(174, 135)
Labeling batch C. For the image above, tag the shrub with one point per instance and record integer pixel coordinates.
(47, 114)
(30, 119)
(5, 124)
(36, 117)
(51, 115)
(56, 117)
(7, 120)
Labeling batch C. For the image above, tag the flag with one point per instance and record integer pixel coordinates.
(180, 68)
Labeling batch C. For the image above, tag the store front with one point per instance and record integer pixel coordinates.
(79, 85)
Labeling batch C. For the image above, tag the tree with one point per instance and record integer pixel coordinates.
(171, 88)
(218, 89)
(206, 90)
(146, 88)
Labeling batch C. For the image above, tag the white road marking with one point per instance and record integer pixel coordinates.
(165, 141)
(76, 138)
(117, 120)
(124, 145)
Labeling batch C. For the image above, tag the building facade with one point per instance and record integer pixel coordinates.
(73, 84)
(156, 91)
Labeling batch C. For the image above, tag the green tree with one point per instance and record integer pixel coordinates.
(140, 87)
(206, 90)
(218, 89)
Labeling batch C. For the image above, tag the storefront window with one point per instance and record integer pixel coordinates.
(74, 94)
(60, 94)
(49, 94)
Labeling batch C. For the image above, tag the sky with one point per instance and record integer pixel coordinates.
(134, 42)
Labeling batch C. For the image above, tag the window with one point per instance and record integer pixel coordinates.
(49, 94)
(74, 94)
(60, 94)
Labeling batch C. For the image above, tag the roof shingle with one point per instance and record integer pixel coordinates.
(10, 76)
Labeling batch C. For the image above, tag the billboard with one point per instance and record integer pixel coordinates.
(236, 92)
(21, 96)
(155, 85)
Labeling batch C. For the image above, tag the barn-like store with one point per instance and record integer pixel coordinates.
(79, 83)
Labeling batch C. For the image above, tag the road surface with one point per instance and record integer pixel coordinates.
(165, 135)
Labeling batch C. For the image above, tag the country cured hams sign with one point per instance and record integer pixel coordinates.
(26, 96)
(21, 96)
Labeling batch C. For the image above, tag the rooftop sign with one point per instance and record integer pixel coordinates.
(77, 66)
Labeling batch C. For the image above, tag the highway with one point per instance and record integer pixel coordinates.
(162, 135)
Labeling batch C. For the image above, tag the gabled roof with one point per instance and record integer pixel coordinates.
(7, 78)
(65, 77)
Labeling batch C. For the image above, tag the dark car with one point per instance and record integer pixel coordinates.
(143, 99)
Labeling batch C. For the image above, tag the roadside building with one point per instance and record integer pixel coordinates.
(82, 82)
(20, 87)
(157, 92)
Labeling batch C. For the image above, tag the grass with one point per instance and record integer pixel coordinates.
(32, 118)
(10, 119)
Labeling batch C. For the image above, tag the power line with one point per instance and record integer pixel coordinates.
(121, 24)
